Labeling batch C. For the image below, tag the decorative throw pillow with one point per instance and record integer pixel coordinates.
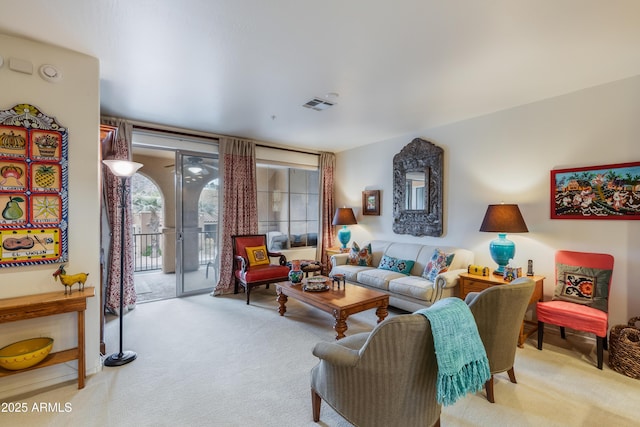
(362, 257)
(257, 255)
(390, 263)
(439, 263)
(581, 285)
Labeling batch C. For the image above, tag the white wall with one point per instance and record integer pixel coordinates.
(507, 156)
(74, 102)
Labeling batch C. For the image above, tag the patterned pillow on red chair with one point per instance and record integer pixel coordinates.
(582, 285)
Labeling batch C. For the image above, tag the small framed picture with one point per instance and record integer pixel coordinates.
(371, 202)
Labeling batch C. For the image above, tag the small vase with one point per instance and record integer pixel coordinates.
(295, 276)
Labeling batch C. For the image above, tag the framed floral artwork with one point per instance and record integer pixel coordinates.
(596, 192)
(371, 202)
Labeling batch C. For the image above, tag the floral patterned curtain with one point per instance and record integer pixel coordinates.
(240, 213)
(327, 206)
(111, 193)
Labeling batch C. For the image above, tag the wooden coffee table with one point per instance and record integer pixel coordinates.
(341, 303)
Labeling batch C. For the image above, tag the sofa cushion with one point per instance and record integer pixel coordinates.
(263, 272)
(379, 247)
(377, 278)
(350, 271)
(413, 287)
(405, 251)
(390, 263)
(439, 263)
(362, 257)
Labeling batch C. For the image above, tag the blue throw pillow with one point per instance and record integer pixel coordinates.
(390, 263)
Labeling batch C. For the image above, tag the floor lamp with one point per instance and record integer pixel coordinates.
(123, 169)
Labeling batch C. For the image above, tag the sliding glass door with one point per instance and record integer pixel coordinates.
(197, 203)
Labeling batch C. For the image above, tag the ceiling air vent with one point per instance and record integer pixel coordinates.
(318, 104)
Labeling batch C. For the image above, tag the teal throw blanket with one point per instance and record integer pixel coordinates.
(463, 366)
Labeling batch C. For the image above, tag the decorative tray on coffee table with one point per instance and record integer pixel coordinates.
(316, 284)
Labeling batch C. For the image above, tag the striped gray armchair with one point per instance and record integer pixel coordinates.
(383, 378)
(499, 311)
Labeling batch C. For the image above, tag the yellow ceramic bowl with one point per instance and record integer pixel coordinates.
(25, 354)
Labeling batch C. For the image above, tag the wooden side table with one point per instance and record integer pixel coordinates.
(336, 250)
(48, 304)
(472, 283)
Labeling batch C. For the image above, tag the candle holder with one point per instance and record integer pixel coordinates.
(337, 279)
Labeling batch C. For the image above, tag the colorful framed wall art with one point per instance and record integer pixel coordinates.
(33, 188)
(596, 192)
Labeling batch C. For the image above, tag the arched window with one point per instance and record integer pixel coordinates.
(147, 206)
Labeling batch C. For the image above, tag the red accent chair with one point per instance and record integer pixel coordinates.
(578, 316)
(249, 276)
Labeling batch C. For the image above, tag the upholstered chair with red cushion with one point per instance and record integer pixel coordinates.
(252, 263)
(581, 297)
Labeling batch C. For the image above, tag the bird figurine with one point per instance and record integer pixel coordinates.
(69, 280)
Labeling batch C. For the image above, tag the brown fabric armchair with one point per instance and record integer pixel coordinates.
(250, 271)
(383, 378)
(499, 311)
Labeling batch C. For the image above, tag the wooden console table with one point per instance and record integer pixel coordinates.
(472, 283)
(48, 304)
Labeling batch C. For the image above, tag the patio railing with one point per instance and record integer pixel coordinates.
(148, 250)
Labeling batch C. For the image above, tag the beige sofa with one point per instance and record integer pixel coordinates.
(408, 292)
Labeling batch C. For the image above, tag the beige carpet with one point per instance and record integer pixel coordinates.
(214, 361)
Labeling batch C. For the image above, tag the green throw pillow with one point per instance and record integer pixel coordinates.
(581, 285)
(390, 263)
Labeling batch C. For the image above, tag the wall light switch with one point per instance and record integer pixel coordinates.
(20, 65)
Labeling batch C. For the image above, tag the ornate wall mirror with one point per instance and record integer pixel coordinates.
(417, 189)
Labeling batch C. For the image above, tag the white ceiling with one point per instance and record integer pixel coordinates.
(245, 67)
